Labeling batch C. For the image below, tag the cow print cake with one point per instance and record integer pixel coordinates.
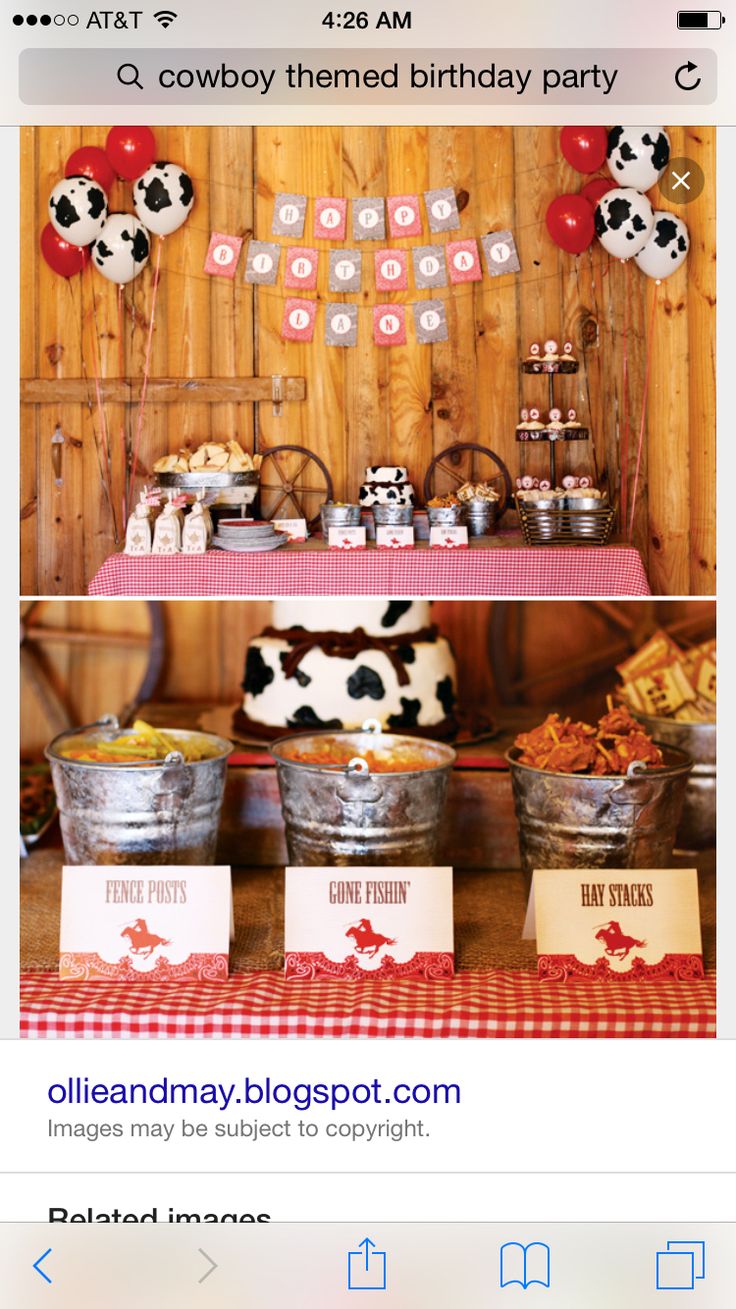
(386, 484)
(333, 663)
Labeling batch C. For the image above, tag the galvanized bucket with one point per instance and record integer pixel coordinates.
(138, 813)
(393, 515)
(697, 829)
(572, 821)
(333, 515)
(480, 517)
(336, 815)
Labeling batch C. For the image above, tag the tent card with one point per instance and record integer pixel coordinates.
(223, 254)
(262, 263)
(389, 325)
(330, 218)
(289, 213)
(391, 274)
(376, 922)
(463, 262)
(369, 219)
(298, 320)
(345, 270)
(631, 923)
(301, 268)
(501, 254)
(294, 528)
(442, 209)
(451, 537)
(346, 538)
(404, 218)
(341, 325)
(162, 923)
(430, 321)
(430, 269)
(394, 538)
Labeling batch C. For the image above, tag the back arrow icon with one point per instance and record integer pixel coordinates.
(38, 1267)
(211, 1268)
(689, 67)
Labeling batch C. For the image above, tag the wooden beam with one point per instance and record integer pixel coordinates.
(161, 390)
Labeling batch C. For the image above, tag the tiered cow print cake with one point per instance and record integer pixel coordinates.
(334, 663)
(386, 484)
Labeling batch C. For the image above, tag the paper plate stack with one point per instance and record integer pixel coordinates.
(243, 537)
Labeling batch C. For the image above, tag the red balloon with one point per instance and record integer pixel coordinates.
(584, 147)
(570, 223)
(63, 258)
(131, 150)
(596, 188)
(91, 161)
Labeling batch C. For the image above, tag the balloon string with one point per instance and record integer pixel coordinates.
(78, 317)
(645, 393)
(146, 367)
(121, 374)
(625, 433)
(97, 366)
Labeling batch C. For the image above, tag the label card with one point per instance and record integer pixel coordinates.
(389, 325)
(301, 267)
(368, 922)
(430, 321)
(330, 218)
(262, 263)
(298, 320)
(223, 254)
(430, 269)
(294, 528)
(391, 270)
(463, 262)
(345, 270)
(442, 209)
(604, 924)
(394, 538)
(404, 217)
(501, 253)
(289, 213)
(452, 537)
(346, 538)
(369, 219)
(341, 325)
(160, 923)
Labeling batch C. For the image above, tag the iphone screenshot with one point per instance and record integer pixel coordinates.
(359, 525)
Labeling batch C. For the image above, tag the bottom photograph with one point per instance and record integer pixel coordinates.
(368, 818)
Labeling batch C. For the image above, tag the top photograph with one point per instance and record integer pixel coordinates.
(407, 361)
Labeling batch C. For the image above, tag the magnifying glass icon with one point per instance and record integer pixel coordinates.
(128, 75)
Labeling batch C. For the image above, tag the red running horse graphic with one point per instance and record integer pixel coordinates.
(366, 941)
(142, 941)
(617, 944)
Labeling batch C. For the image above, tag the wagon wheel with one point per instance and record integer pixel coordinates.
(55, 635)
(295, 471)
(444, 461)
(616, 630)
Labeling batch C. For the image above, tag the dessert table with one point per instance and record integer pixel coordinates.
(492, 566)
(495, 992)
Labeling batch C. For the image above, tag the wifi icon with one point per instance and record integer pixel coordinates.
(165, 17)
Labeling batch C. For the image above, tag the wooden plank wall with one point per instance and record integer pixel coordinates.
(370, 404)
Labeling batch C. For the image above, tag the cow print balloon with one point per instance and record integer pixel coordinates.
(638, 156)
(122, 249)
(163, 198)
(78, 210)
(667, 248)
(623, 222)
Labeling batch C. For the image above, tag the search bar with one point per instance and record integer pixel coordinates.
(366, 77)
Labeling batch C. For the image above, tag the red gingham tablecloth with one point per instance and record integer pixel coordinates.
(487, 1004)
(293, 570)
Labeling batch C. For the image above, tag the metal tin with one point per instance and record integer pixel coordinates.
(697, 829)
(572, 821)
(440, 515)
(207, 477)
(480, 517)
(331, 515)
(337, 816)
(139, 813)
(393, 515)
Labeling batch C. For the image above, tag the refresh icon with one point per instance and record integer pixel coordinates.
(684, 78)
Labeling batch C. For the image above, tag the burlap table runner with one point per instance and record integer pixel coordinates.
(489, 916)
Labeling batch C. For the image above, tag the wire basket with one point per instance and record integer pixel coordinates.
(565, 526)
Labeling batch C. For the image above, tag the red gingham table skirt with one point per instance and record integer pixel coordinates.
(516, 571)
(487, 1004)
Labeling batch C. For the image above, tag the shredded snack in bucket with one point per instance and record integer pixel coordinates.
(141, 744)
(335, 754)
(559, 745)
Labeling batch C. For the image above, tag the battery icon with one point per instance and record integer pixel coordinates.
(700, 20)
